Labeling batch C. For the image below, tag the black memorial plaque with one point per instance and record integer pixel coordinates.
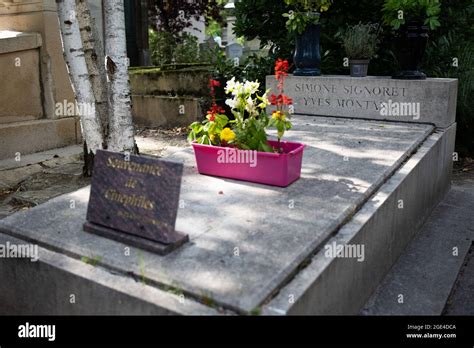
(135, 200)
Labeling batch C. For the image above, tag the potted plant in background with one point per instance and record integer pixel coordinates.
(304, 22)
(240, 149)
(360, 43)
(412, 20)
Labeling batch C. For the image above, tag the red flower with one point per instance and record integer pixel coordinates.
(281, 65)
(215, 109)
(273, 99)
(286, 100)
(281, 68)
(214, 83)
(280, 100)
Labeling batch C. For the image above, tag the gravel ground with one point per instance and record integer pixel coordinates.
(28, 186)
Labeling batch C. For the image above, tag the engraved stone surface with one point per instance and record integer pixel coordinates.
(428, 101)
(234, 50)
(136, 195)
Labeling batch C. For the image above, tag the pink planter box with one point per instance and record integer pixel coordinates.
(261, 167)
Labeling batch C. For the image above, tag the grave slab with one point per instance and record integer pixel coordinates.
(383, 226)
(246, 239)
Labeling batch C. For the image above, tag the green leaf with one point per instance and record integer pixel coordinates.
(222, 120)
(265, 147)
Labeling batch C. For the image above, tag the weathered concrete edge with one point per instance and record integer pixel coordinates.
(428, 292)
(55, 277)
(22, 42)
(32, 136)
(342, 286)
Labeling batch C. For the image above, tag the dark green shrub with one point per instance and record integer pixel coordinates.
(450, 45)
(398, 12)
(360, 41)
(167, 49)
(263, 19)
(452, 39)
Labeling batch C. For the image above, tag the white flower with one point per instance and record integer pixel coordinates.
(251, 87)
(250, 106)
(234, 87)
(264, 100)
(230, 86)
(232, 103)
(239, 89)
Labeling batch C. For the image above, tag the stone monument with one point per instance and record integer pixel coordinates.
(370, 178)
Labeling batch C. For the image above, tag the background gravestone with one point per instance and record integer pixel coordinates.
(207, 48)
(234, 50)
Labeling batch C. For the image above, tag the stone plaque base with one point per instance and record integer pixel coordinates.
(135, 241)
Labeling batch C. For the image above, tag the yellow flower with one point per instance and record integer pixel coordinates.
(227, 134)
(278, 115)
(212, 137)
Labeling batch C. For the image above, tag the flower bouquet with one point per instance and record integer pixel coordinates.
(240, 148)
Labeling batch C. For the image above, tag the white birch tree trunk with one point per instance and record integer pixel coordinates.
(79, 74)
(94, 55)
(121, 137)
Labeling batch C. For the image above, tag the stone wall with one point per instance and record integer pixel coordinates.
(20, 100)
(168, 98)
(34, 78)
(40, 16)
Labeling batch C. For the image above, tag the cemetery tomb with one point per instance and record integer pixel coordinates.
(367, 184)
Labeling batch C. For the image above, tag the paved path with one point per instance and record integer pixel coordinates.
(35, 179)
(435, 274)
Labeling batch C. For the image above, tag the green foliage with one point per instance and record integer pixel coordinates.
(281, 124)
(254, 68)
(248, 108)
(176, 15)
(91, 261)
(251, 133)
(256, 311)
(398, 12)
(298, 21)
(342, 14)
(310, 5)
(167, 49)
(449, 46)
(208, 132)
(360, 41)
(304, 13)
(213, 28)
(263, 19)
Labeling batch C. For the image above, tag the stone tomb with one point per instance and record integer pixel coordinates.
(253, 248)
